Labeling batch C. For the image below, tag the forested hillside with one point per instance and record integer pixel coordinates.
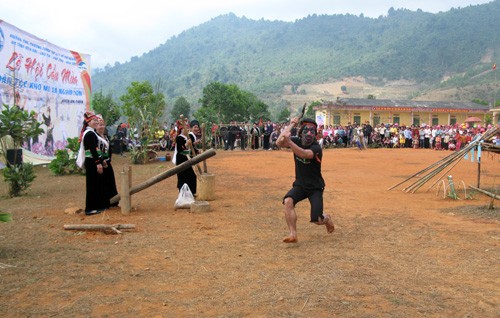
(265, 56)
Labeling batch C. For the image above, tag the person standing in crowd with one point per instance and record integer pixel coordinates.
(233, 133)
(181, 154)
(243, 136)
(108, 172)
(367, 133)
(96, 200)
(195, 136)
(427, 137)
(309, 183)
(255, 135)
(408, 137)
(268, 129)
(273, 138)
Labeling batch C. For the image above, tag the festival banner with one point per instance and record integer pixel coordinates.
(51, 81)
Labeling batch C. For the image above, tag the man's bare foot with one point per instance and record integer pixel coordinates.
(290, 239)
(329, 224)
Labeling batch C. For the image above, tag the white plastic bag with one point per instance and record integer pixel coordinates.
(80, 158)
(185, 198)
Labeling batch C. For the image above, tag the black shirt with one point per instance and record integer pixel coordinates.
(308, 171)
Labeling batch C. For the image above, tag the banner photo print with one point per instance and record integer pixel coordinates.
(51, 81)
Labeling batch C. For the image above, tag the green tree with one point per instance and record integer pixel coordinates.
(144, 107)
(106, 106)
(181, 107)
(226, 102)
(310, 109)
(284, 115)
(256, 109)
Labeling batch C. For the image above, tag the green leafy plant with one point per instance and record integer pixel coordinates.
(65, 161)
(19, 177)
(16, 126)
(144, 105)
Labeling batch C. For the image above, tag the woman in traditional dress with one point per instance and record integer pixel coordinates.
(96, 200)
(108, 172)
(181, 154)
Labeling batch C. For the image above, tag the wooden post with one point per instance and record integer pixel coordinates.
(206, 187)
(203, 147)
(125, 190)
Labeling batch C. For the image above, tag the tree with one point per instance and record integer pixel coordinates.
(226, 102)
(181, 107)
(256, 109)
(310, 110)
(144, 107)
(284, 115)
(106, 106)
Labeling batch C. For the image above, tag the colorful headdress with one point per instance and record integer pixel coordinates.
(88, 116)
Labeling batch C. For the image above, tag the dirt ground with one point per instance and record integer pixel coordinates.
(393, 254)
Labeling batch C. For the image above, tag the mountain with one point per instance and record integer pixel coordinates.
(269, 58)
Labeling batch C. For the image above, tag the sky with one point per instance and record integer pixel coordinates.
(115, 31)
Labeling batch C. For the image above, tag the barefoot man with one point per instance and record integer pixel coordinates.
(309, 183)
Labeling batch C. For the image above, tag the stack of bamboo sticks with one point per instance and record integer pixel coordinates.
(449, 162)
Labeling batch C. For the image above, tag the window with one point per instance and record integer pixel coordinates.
(416, 120)
(435, 120)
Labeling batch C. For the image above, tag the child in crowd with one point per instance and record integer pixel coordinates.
(438, 143)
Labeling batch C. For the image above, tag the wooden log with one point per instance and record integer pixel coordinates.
(203, 145)
(164, 175)
(492, 195)
(206, 187)
(115, 228)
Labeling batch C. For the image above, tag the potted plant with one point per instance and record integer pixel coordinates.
(16, 126)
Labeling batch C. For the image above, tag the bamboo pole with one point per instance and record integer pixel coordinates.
(115, 228)
(416, 185)
(444, 174)
(443, 163)
(419, 173)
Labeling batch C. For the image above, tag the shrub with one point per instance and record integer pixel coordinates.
(65, 161)
(19, 178)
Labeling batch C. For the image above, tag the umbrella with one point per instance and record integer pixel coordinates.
(473, 120)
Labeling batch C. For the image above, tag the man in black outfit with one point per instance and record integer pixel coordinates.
(309, 183)
(231, 136)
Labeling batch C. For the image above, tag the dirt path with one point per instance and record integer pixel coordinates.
(392, 254)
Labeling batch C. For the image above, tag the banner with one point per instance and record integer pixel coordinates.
(51, 81)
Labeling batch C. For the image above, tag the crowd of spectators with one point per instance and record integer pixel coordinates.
(438, 137)
(264, 135)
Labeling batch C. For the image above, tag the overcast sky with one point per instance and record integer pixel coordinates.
(113, 31)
